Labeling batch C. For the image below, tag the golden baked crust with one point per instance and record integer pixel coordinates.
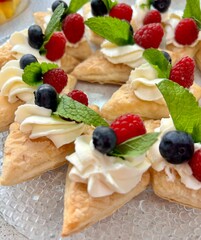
(81, 210)
(174, 191)
(124, 101)
(7, 110)
(5, 54)
(25, 159)
(98, 69)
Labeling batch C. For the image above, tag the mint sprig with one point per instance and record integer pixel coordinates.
(33, 72)
(53, 25)
(183, 108)
(135, 146)
(69, 108)
(158, 61)
(113, 29)
(75, 5)
(109, 4)
(192, 10)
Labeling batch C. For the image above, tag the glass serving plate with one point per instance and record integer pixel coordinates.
(35, 208)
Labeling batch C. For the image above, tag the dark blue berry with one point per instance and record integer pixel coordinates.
(161, 5)
(46, 96)
(26, 60)
(104, 139)
(98, 8)
(35, 36)
(176, 147)
(167, 56)
(55, 4)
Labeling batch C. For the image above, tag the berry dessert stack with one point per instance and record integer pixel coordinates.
(72, 26)
(120, 52)
(20, 78)
(175, 156)
(108, 169)
(139, 95)
(44, 132)
(181, 28)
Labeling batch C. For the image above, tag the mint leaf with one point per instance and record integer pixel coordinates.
(33, 72)
(75, 5)
(192, 10)
(113, 29)
(45, 67)
(53, 25)
(109, 4)
(135, 146)
(183, 108)
(69, 108)
(158, 61)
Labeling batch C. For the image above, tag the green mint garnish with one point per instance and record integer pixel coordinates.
(69, 108)
(75, 5)
(109, 4)
(33, 72)
(135, 146)
(158, 62)
(183, 108)
(192, 10)
(113, 29)
(53, 25)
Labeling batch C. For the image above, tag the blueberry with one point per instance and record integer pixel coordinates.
(104, 139)
(167, 56)
(176, 147)
(161, 5)
(35, 36)
(46, 96)
(26, 60)
(55, 4)
(98, 8)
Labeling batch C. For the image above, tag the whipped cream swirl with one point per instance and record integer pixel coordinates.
(130, 55)
(104, 174)
(160, 164)
(143, 80)
(38, 122)
(12, 85)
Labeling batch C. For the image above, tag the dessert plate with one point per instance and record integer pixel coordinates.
(35, 208)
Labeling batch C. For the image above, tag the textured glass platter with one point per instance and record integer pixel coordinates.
(35, 208)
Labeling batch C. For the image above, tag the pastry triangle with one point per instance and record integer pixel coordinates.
(174, 191)
(98, 69)
(81, 210)
(25, 159)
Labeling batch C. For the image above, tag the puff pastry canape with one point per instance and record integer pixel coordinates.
(175, 156)
(40, 137)
(139, 95)
(14, 91)
(98, 184)
(181, 32)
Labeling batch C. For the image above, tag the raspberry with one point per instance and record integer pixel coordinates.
(122, 11)
(56, 78)
(79, 96)
(186, 31)
(73, 27)
(149, 35)
(128, 126)
(56, 46)
(183, 72)
(153, 16)
(195, 164)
